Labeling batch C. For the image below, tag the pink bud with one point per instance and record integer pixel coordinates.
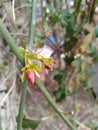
(30, 74)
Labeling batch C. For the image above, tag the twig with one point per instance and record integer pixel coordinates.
(53, 104)
(53, 127)
(21, 106)
(77, 8)
(32, 24)
(81, 126)
(13, 9)
(30, 42)
(92, 4)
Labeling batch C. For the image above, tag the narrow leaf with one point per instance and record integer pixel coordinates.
(33, 124)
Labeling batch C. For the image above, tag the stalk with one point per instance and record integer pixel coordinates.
(22, 104)
(77, 8)
(32, 24)
(92, 9)
(25, 84)
(53, 104)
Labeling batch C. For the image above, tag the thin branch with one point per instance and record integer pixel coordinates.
(53, 104)
(13, 9)
(30, 43)
(77, 8)
(92, 9)
(21, 106)
(32, 25)
(25, 83)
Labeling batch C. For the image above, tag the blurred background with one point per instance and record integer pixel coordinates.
(67, 30)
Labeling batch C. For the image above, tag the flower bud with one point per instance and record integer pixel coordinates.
(30, 74)
(48, 67)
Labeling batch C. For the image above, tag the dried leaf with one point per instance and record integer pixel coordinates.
(83, 44)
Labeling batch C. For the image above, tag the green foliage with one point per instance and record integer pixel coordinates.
(58, 77)
(60, 94)
(39, 42)
(79, 46)
(33, 124)
(67, 21)
(94, 125)
(55, 18)
(69, 59)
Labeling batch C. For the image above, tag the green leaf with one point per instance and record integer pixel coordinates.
(76, 2)
(84, 65)
(96, 3)
(23, 51)
(69, 59)
(54, 18)
(33, 67)
(91, 70)
(38, 41)
(67, 21)
(94, 125)
(23, 76)
(30, 56)
(64, 23)
(70, 44)
(66, 13)
(93, 50)
(60, 94)
(33, 124)
(58, 78)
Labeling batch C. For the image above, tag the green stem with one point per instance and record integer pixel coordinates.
(55, 3)
(20, 57)
(32, 24)
(53, 104)
(14, 48)
(21, 106)
(92, 11)
(77, 8)
(24, 89)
